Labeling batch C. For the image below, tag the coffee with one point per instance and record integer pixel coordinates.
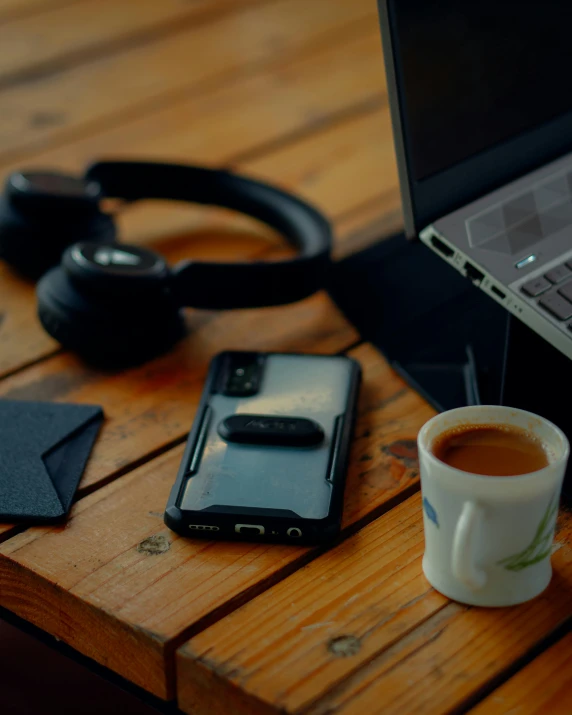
(491, 450)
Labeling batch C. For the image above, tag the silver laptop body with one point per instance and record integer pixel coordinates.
(493, 201)
(516, 245)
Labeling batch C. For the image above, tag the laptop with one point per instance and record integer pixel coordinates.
(481, 101)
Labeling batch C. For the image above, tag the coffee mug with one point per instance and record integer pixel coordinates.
(488, 540)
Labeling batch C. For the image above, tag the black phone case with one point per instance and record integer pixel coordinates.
(277, 525)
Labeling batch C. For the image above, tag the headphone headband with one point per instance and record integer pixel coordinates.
(230, 285)
(120, 304)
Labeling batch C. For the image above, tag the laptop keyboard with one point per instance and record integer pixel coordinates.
(554, 291)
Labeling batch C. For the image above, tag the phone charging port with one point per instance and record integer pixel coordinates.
(249, 529)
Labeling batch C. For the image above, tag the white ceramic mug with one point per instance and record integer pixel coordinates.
(488, 540)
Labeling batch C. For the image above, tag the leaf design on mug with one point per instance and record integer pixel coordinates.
(541, 544)
(430, 511)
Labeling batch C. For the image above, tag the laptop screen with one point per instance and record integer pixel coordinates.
(483, 87)
(477, 73)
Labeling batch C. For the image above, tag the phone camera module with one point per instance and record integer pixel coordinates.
(243, 374)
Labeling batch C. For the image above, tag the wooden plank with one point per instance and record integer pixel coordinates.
(151, 406)
(360, 146)
(291, 95)
(359, 630)
(344, 169)
(92, 97)
(543, 686)
(281, 104)
(58, 35)
(303, 167)
(99, 570)
(304, 93)
(298, 639)
(21, 338)
(455, 655)
(361, 150)
(6, 530)
(9, 9)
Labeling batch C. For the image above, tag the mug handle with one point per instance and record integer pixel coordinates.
(463, 557)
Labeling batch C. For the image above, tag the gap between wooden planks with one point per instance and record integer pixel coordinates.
(359, 630)
(543, 687)
(143, 80)
(301, 88)
(117, 585)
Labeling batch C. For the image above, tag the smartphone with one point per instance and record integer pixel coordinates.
(267, 455)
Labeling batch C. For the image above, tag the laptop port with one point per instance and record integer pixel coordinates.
(473, 273)
(443, 248)
(498, 292)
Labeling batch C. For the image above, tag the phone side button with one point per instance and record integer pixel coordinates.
(294, 532)
(200, 441)
(249, 529)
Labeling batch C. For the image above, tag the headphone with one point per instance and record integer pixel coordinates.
(116, 303)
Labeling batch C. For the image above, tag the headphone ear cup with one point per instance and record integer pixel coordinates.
(111, 333)
(33, 245)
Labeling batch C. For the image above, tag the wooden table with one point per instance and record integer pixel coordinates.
(292, 91)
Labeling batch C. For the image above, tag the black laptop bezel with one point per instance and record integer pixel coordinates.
(430, 198)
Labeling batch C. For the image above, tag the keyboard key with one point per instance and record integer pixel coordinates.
(558, 306)
(566, 291)
(558, 274)
(536, 286)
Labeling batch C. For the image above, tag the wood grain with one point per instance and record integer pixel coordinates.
(318, 168)
(151, 406)
(543, 686)
(21, 337)
(360, 630)
(6, 530)
(10, 9)
(291, 94)
(448, 660)
(318, 625)
(57, 35)
(292, 91)
(103, 558)
(143, 79)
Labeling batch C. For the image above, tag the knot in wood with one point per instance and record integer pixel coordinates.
(153, 545)
(404, 450)
(344, 646)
